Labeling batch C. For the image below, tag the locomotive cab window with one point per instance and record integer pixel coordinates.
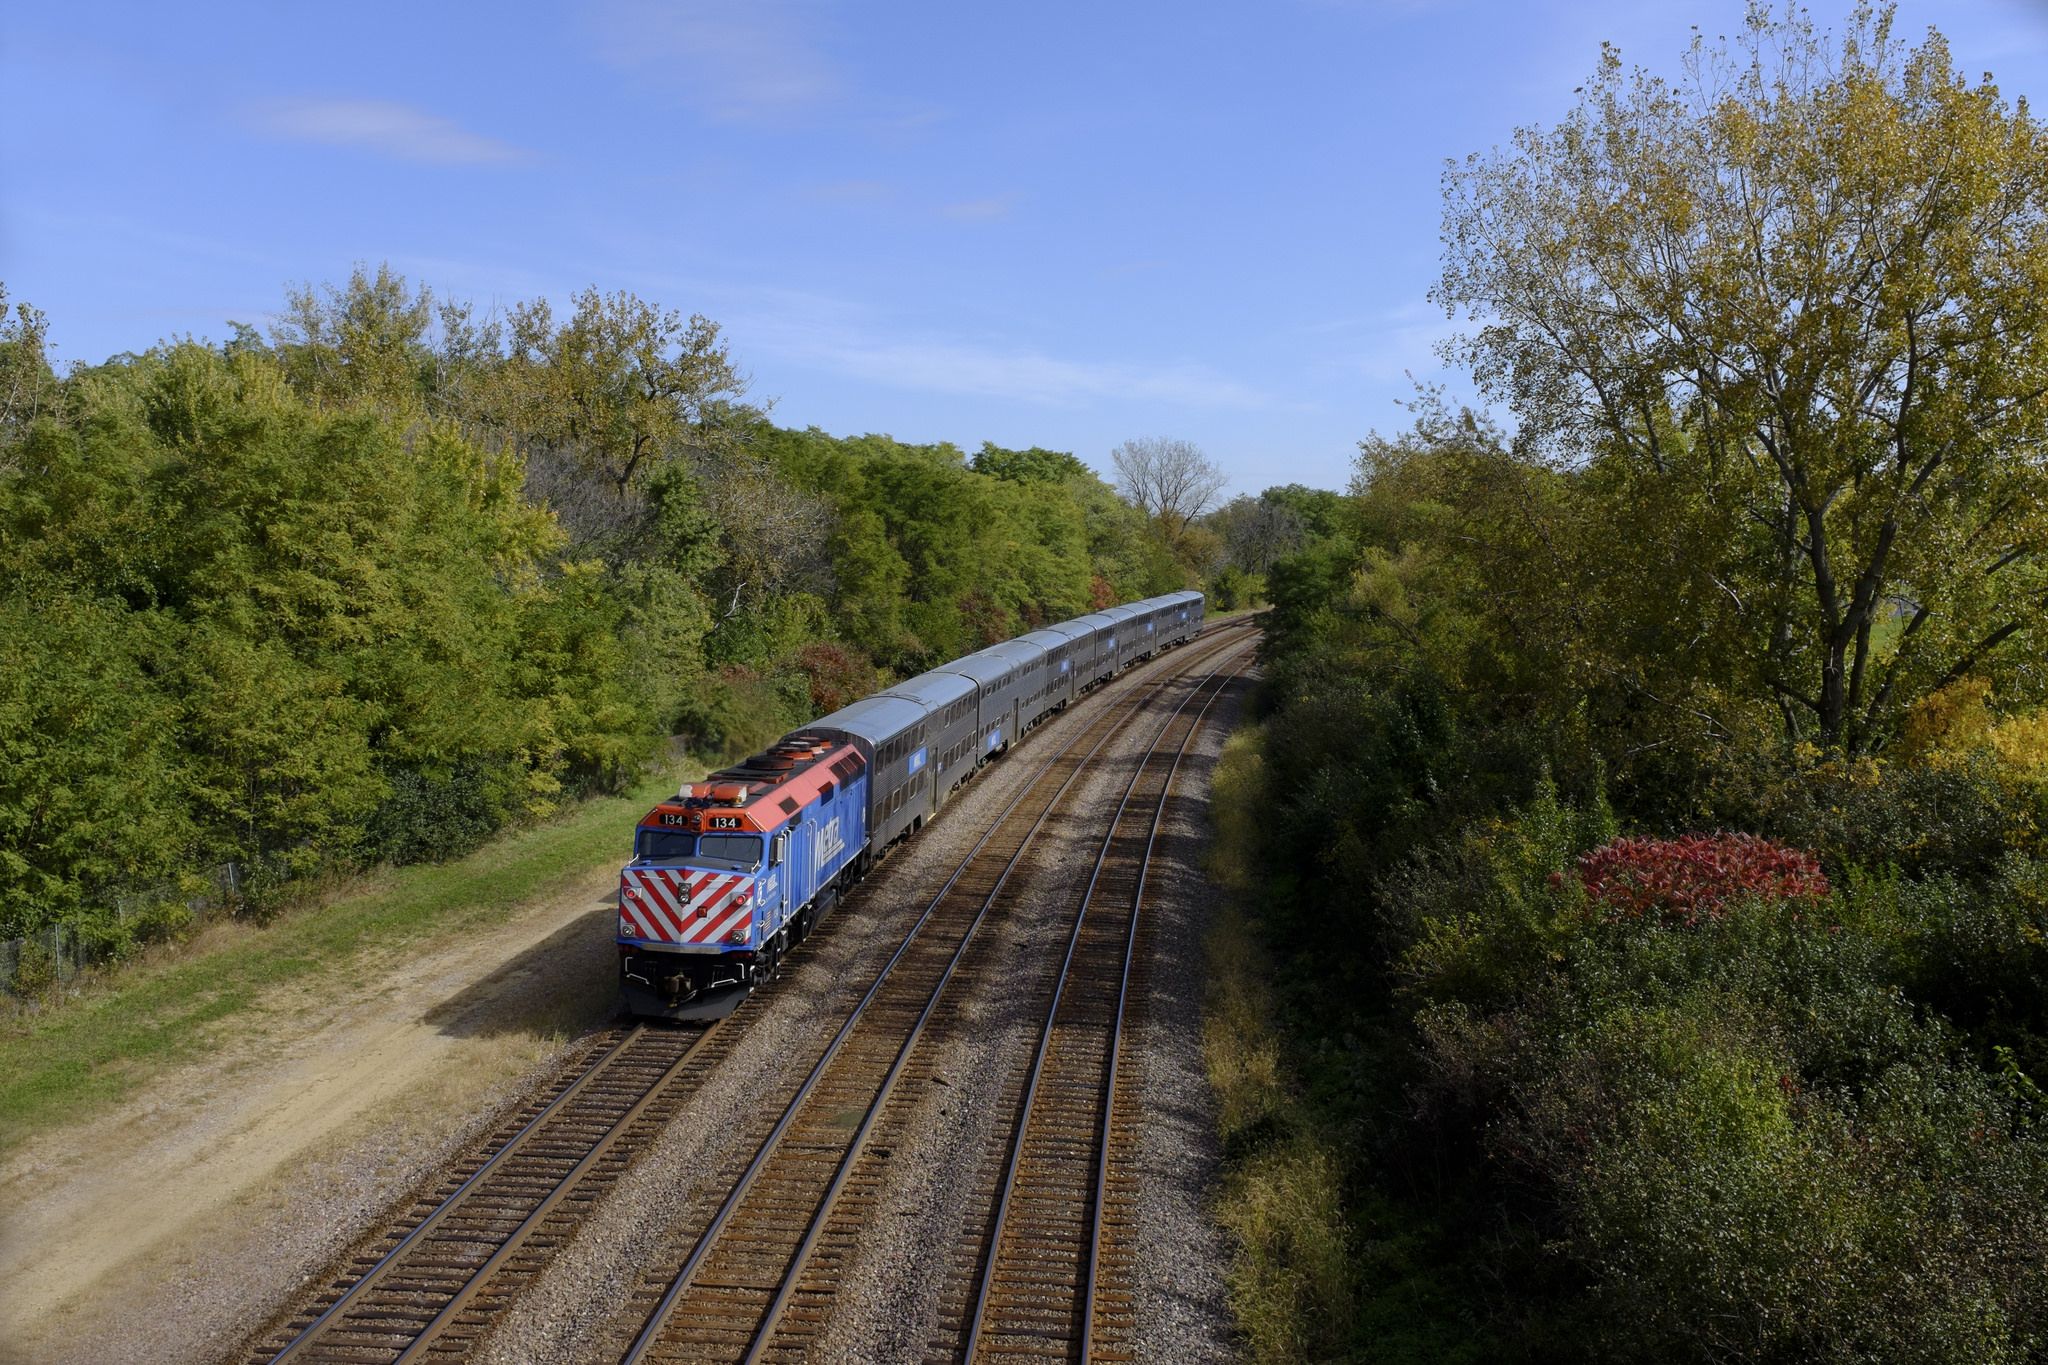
(665, 845)
(739, 850)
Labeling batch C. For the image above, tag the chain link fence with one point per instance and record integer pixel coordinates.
(56, 953)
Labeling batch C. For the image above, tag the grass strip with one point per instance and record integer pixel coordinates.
(1290, 1281)
(66, 1062)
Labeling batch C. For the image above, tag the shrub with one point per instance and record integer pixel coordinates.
(1732, 1213)
(35, 971)
(1697, 876)
(429, 815)
(836, 675)
(1960, 815)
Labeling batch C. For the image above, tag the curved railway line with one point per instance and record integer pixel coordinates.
(759, 1278)
(432, 1284)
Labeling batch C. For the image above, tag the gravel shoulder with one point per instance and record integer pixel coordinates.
(1182, 1313)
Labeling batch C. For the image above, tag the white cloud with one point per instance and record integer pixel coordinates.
(735, 59)
(395, 130)
(1389, 346)
(982, 370)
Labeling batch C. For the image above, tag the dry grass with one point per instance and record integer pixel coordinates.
(1281, 1203)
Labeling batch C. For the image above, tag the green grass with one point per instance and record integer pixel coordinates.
(75, 1058)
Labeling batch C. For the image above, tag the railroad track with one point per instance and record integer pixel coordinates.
(1056, 1277)
(758, 1280)
(430, 1289)
(432, 1285)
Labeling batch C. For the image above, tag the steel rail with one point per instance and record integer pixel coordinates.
(433, 1330)
(978, 1312)
(1116, 1040)
(353, 1295)
(679, 1284)
(376, 1273)
(816, 1226)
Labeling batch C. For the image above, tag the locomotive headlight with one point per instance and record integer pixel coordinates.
(738, 935)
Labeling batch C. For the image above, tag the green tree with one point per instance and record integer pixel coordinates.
(90, 790)
(368, 339)
(620, 387)
(1807, 287)
(1032, 465)
(28, 386)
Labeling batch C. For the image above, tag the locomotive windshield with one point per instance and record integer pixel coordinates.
(743, 850)
(676, 845)
(665, 845)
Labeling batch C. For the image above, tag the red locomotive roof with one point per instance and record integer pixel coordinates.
(761, 794)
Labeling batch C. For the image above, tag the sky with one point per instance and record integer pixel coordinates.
(1053, 224)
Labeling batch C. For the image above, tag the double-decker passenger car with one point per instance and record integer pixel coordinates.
(734, 871)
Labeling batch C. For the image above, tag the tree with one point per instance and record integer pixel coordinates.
(28, 387)
(620, 387)
(1319, 511)
(1033, 465)
(1168, 479)
(1808, 287)
(365, 339)
(1257, 531)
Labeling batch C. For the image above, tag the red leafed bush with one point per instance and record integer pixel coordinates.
(837, 675)
(1695, 877)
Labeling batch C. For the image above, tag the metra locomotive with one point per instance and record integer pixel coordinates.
(733, 870)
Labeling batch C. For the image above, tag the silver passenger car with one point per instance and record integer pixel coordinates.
(950, 710)
(891, 734)
(998, 677)
(1128, 630)
(1180, 616)
(1094, 655)
(1057, 679)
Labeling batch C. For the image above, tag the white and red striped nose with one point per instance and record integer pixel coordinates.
(685, 905)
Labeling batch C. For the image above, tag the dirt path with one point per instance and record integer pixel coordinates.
(335, 1099)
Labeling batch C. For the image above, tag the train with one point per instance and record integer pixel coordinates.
(733, 871)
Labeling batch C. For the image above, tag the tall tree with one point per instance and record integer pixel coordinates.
(1257, 531)
(28, 386)
(1169, 479)
(1033, 465)
(365, 339)
(621, 386)
(1808, 284)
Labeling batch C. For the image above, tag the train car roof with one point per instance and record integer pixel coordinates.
(933, 689)
(1079, 628)
(985, 665)
(876, 720)
(1049, 638)
(1095, 620)
(1017, 651)
(763, 791)
(1120, 613)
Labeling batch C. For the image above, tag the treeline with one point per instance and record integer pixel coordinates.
(370, 586)
(1655, 800)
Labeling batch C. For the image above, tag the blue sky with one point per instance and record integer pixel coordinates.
(1054, 224)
